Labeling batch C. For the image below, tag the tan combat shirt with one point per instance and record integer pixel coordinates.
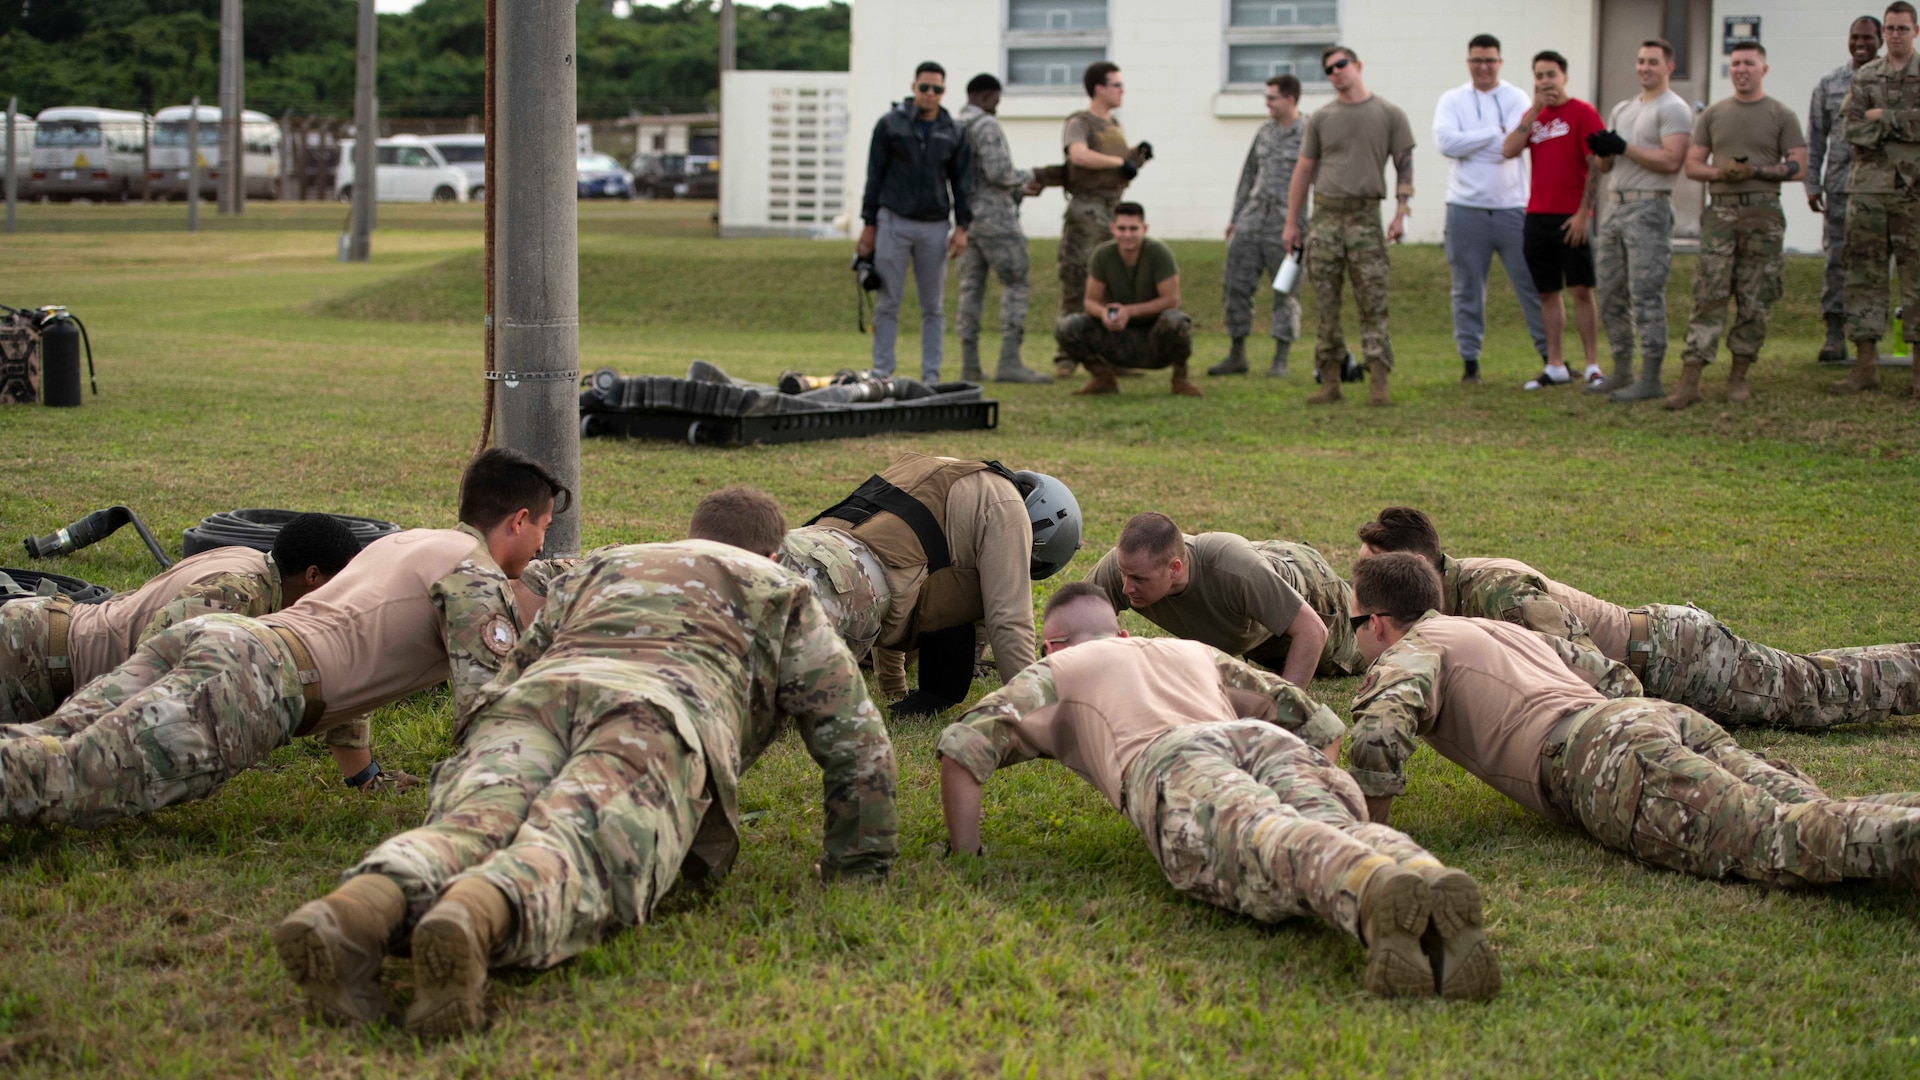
(1606, 622)
(1759, 132)
(102, 636)
(1350, 145)
(1234, 600)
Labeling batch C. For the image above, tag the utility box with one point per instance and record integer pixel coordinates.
(783, 153)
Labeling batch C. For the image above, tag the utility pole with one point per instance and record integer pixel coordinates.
(366, 125)
(13, 111)
(536, 325)
(727, 60)
(232, 163)
(193, 166)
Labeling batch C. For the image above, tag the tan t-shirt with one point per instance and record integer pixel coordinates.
(1234, 599)
(1606, 621)
(102, 636)
(1763, 132)
(1647, 124)
(1351, 145)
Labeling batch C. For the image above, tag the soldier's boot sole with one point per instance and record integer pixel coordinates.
(1465, 967)
(1738, 389)
(1688, 391)
(1393, 914)
(449, 974)
(339, 977)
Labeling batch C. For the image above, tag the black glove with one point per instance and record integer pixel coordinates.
(1144, 151)
(1129, 170)
(1606, 144)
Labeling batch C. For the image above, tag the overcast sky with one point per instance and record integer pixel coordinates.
(395, 7)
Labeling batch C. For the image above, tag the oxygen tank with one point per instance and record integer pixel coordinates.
(59, 360)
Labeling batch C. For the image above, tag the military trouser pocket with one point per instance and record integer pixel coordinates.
(181, 758)
(1678, 813)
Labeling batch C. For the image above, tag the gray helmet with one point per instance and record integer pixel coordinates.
(1056, 523)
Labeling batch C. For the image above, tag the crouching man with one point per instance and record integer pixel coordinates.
(1131, 316)
(602, 766)
(1242, 813)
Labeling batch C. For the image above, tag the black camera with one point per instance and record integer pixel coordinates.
(864, 273)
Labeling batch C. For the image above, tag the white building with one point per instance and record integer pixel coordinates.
(783, 139)
(1194, 71)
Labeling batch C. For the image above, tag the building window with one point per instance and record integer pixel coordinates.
(1049, 43)
(1278, 37)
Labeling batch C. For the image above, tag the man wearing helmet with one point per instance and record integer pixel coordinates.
(918, 554)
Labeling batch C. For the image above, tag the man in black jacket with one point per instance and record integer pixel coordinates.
(918, 155)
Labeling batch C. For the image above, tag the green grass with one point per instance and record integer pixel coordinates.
(244, 367)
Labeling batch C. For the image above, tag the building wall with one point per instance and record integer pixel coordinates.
(784, 137)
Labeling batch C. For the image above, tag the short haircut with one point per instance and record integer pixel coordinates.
(317, 540)
(1402, 528)
(742, 516)
(1665, 46)
(982, 83)
(1550, 57)
(1131, 209)
(1901, 7)
(1332, 49)
(1866, 19)
(501, 481)
(1096, 74)
(1400, 585)
(1152, 534)
(1484, 41)
(1287, 85)
(1748, 46)
(1073, 592)
(928, 65)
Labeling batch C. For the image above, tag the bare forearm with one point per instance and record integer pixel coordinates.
(960, 803)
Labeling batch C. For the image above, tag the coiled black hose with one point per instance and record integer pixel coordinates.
(258, 528)
(83, 592)
(92, 529)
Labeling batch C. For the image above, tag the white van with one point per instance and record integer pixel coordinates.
(468, 153)
(22, 155)
(168, 166)
(407, 169)
(79, 151)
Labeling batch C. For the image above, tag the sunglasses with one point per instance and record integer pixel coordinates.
(1358, 621)
(931, 88)
(1336, 65)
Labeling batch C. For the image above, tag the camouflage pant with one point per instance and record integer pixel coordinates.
(1344, 239)
(1330, 597)
(1833, 239)
(1741, 258)
(193, 706)
(847, 579)
(1254, 255)
(1006, 255)
(1880, 227)
(26, 685)
(573, 795)
(1088, 223)
(1696, 661)
(1162, 341)
(1633, 257)
(1670, 787)
(1245, 816)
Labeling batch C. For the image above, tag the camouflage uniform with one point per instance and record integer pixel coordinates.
(1883, 194)
(995, 241)
(1308, 573)
(1344, 238)
(603, 763)
(1692, 658)
(1827, 146)
(1742, 256)
(1633, 257)
(847, 579)
(1162, 341)
(1485, 589)
(1088, 222)
(1254, 253)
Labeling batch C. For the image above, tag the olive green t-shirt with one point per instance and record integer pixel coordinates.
(1762, 132)
(1134, 284)
(1351, 145)
(1234, 599)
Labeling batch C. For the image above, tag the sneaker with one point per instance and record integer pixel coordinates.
(1545, 378)
(1595, 377)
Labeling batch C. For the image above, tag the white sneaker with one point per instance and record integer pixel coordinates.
(1547, 378)
(1595, 376)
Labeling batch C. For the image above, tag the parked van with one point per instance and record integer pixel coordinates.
(79, 151)
(407, 169)
(22, 154)
(168, 163)
(468, 153)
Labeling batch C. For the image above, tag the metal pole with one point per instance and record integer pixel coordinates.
(229, 115)
(720, 99)
(366, 132)
(537, 274)
(193, 166)
(238, 150)
(13, 195)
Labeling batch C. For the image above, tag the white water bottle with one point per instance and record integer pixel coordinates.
(1289, 273)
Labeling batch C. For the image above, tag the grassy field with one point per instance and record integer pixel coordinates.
(243, 366)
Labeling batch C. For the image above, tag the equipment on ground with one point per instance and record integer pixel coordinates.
(92, 529)
(1055, 515)
(40, 356)
(1350, 370)
(257, 529)
(23, 584)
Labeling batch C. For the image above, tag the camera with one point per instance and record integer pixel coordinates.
(864, 273)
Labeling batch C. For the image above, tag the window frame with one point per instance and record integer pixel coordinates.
(1324, 35)
(1012, 40)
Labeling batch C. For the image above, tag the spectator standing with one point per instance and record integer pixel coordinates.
(917, 171)
(1254, 250)
(1643, 150)
(1755, 143)
(996, 242)
(1486, 199)
(1829, 156)
(1559, 258)
(1099, 168)
(1343, 158)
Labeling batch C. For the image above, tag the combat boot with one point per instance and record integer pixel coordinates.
(1646, 388)
(970, 362)
(1737, 388)
(1183, 386)
(1621, 378)
(451, 947)
(1834, 351)
(1011, 370)
(1103, 382)
(1866, 370)
(1062, 367)
(1236, 361)
(1463, 961)
(333, 947)
(1278, 369)
(1329, 384)
(1688, 391)
(1377, 384)
(1395, 905)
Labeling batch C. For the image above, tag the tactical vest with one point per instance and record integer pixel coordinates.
(1106, 138)
(900, 514)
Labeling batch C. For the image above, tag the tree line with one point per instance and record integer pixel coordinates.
(148, 54)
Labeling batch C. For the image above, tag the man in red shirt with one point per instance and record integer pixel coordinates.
(1555, 130)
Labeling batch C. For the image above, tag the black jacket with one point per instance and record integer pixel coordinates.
(910, 176)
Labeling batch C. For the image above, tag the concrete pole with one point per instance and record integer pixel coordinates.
(537, 270)
(193, 166)
(366, 132)
(229, 102)
(13, 196)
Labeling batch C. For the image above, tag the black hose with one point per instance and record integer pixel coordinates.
(95, 383)
(83, 592)
(92, 529)
(257, 529)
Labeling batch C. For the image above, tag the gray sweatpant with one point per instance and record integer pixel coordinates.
(1474, 236)
(899, 241)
